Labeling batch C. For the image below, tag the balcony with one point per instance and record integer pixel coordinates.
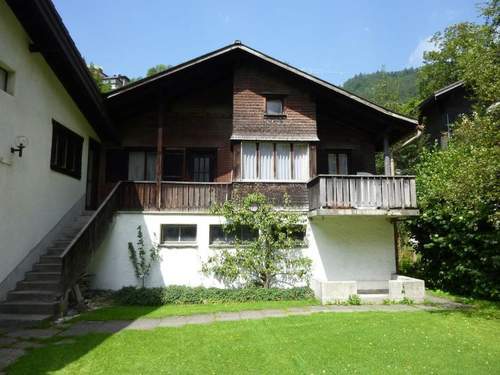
(362, 195)
(323, 195)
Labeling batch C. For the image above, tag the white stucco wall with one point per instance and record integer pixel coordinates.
(33, 198)
(343, 248)
(357, 248)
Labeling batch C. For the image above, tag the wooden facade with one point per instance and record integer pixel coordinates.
(192, 126)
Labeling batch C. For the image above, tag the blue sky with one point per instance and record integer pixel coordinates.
(331, 39)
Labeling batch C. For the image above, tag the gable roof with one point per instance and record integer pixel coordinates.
(238, 46)
(50, 38)
(442, 92)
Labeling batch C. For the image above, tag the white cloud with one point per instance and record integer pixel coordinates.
(417, 55)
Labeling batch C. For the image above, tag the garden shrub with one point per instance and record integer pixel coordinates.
(177, 294)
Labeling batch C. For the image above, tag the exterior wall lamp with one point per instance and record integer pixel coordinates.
(21, 143)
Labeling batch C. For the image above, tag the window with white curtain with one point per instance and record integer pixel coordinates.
(283, 162)
(266, 167)
(300, 162)
(142, 165)
(338, 163)
(249, 160)
(278, 161)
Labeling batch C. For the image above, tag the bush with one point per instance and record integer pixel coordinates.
(177, 294)
(458, 232)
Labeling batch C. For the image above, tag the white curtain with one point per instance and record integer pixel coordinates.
(343, 169)
(266, 161)
(300, 162)
(249, 161)
(136, 166)
(283, 165)
(151, 166)
(332, 164)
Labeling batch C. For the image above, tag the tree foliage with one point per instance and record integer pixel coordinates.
(141, 258)
(459, 195)
(156, 69)
(273, 259)
(466, 51)
(96, 73)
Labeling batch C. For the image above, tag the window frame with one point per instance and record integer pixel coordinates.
(145, 151)
(59, 132)
(231, 239)
(5, 87)
(276, 97)
(338, 152)
(274, 162)
(179, 242)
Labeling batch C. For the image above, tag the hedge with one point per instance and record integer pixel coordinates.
(199, 295)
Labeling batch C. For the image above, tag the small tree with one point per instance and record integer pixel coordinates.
(272, 258)
(140, 260)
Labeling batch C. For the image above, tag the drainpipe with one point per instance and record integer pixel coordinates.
(405, 143)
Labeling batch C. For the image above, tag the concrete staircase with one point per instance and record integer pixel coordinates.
(373, 296)
(37, 297)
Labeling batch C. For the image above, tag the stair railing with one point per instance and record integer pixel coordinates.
(78, 254)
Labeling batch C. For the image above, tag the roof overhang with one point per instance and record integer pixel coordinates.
(51, 39)
(441, 94)
(168, 81)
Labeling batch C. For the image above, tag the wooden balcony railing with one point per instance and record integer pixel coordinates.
(176, 196)
(362, 192)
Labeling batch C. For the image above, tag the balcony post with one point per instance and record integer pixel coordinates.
(159, 151)
(387, 157)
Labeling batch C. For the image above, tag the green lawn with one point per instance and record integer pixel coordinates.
(135, 312)
(369, 343)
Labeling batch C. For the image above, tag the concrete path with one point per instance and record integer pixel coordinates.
(113, 326)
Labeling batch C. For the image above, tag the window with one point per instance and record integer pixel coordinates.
(299, 233)
(201, 164)
(4, 79)
(275, 161)
(218, 236)
(172, 233)
(338, 163)
(142, 165)
(173, 165)
(66, 152)
(274, 106)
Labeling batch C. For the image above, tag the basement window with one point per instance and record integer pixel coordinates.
(220, 237)
(66, 152)
(178, 233)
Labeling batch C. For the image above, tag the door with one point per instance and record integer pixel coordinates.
(92, 175)
(202, 164)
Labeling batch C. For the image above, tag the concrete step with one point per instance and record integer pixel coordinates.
(55, 250)
(29, 307)
(50, 259)
(22, 320)
(37, 276)
(47, 267)
(373, 291)
(373, 299)
(32, 295)
(49, 285)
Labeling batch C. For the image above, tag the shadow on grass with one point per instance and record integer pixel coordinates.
(56, 354)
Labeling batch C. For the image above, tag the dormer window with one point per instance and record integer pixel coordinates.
(274, 106)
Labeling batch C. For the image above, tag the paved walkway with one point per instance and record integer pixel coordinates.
(15, 341)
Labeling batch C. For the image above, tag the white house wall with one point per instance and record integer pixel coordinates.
(356, 248)
(33, 198)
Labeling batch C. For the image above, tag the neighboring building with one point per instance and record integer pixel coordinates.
(116, 81)
(233, 120)
(440, 110)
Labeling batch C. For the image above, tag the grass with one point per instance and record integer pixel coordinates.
(151, 312)
(371, 342)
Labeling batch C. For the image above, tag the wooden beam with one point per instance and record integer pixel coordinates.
(159, 151)
(387, 156)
